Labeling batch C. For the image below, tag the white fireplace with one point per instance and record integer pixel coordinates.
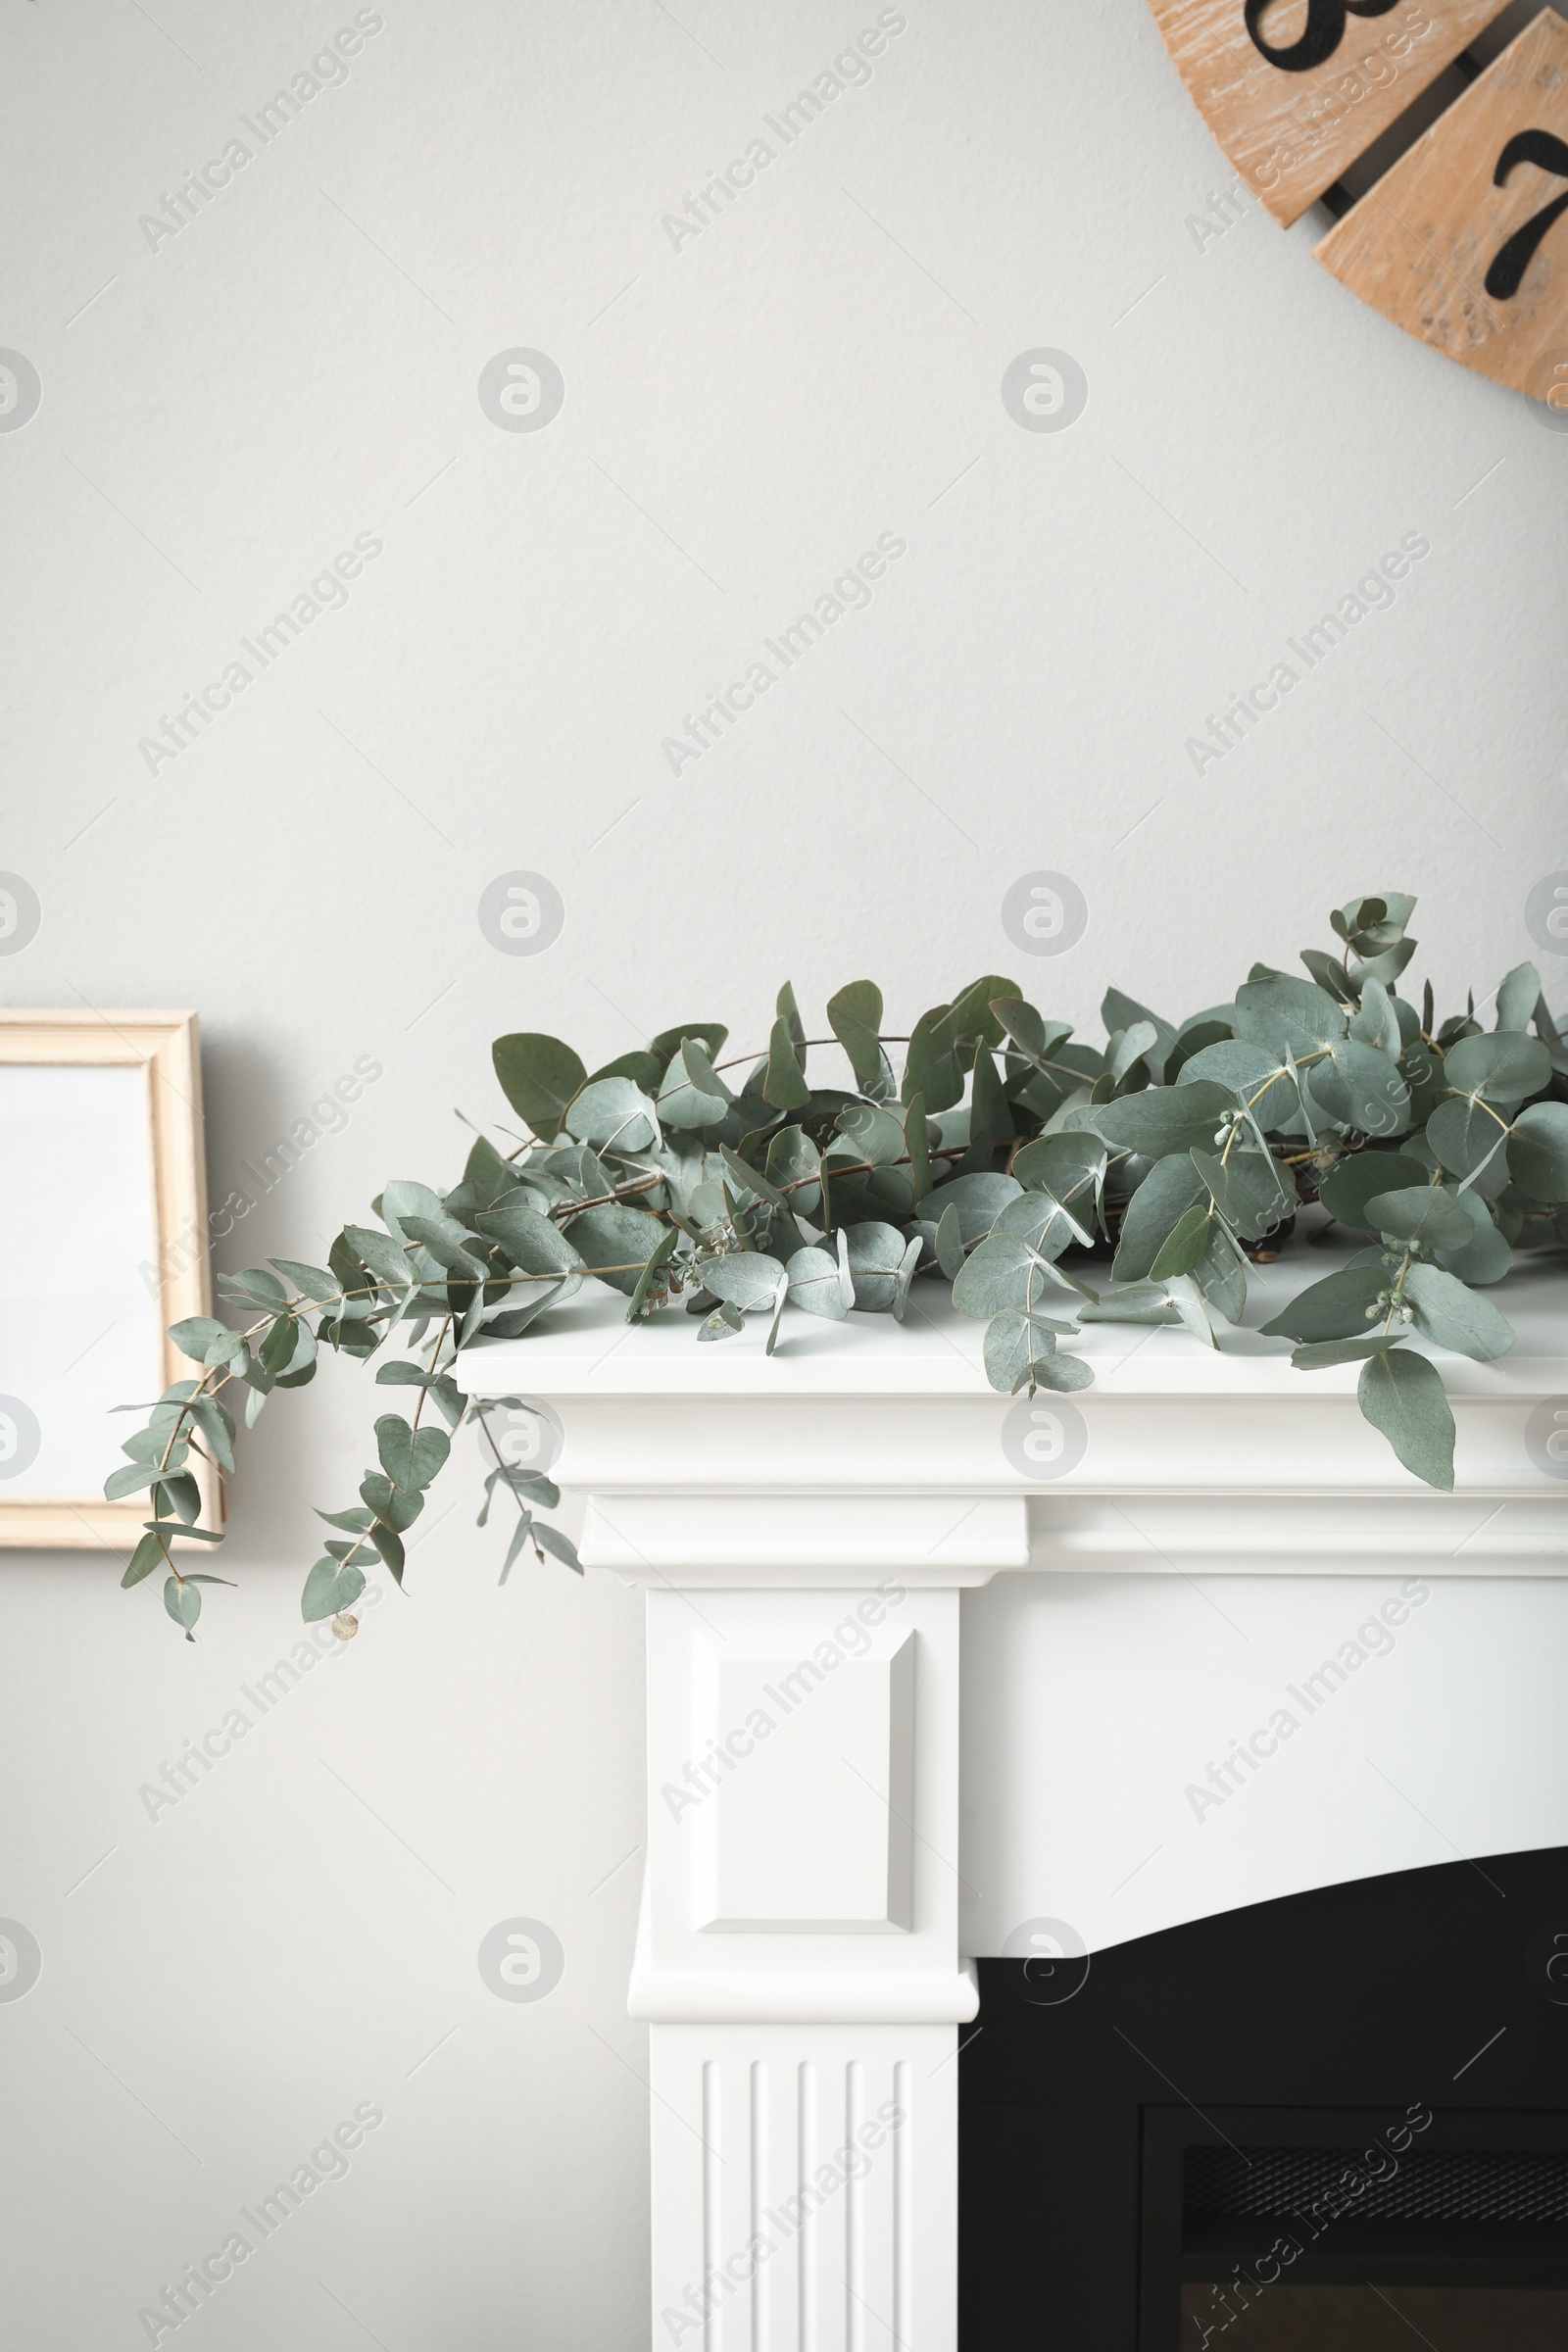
(847, 1806)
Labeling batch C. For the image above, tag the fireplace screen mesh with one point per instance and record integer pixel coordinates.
(1461, 2185)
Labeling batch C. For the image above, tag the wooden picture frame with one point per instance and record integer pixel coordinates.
(119, 1240)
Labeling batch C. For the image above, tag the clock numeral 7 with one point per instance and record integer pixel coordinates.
(1513, 259)
(1319, 37)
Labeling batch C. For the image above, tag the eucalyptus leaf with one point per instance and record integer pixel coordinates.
(1251, 1192)
(560, 1546)
(1355, 1180)
(1060, 1372)
(1185, 1244)
(1504, 1067)
(1139, 1302)
(532, 1241)
(1316, 1356)
(511, 1322)
(1221, 1274)
(1402, 1395)
(1486, 1255)
(1046, 1223)
(1030, 1033)
(1375, 1022)
(1164, 1119)
(1452, 1316)
(1360, 1086)
(448, 1245)
(1254, 1077)
(1537, 1152)
(1283, 1013)
(1470, 1139)
(1004, 1271)
(1124, 1012)
(329, 1589)
(539, 1076)
(1331, 976)
(712, 1035)
(1518, 994)
(314, 1283)
(949, 1242)
(876, 1255)
(410, 1457)
(379, 1254)
(917, 1144)
(1168, 1190)
(615, 1242)
(1190, 1304)
(1070, 1165)
(613, 1114)
(855, 1015)
(148, 1555)
(1339, 1307)
(794, 1168)
(642, 1065)
(1425, 1215)
(692, 1094)
(820, 1281)
(256, 1287)
(664, 1251)
(906, 1275)
(877, 1134)
(180, 1495)
(784, 1083)
(183, 1601)
(1016, 1345)
(747, 1280)
(393, 1506)
(978, 1200)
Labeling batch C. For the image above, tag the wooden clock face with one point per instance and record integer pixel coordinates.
(1296, 89)
(1463, 241)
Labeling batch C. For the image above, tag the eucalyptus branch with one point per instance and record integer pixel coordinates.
(1443, 1147)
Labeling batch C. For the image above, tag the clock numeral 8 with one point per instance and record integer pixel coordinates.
(1321, 35)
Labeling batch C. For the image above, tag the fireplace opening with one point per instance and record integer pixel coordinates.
(1391, 2319)
(1269, 2230)
(1333, 2123)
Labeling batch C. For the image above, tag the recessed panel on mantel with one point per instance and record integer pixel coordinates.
(1294, 90)
(808, 1829)
(1464, 241)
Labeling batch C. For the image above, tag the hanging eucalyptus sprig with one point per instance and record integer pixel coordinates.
(1009, 1162)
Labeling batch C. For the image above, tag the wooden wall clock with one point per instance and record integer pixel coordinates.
(1464, 240)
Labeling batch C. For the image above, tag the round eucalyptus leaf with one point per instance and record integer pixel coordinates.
(613, 1114)
(1537, 1152)
(1505, 1066)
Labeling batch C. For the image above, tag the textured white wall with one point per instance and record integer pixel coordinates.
(295, 373)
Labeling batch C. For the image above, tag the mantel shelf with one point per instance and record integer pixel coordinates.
(903, 1413)
(587, 1348)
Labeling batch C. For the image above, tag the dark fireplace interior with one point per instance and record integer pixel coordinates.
(1335, 2122)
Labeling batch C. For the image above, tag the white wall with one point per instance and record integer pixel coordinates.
(298, 365)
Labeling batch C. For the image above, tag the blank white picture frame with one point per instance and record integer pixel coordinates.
(103, 1245)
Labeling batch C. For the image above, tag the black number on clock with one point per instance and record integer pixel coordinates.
(1513, 259)
(1322, 35)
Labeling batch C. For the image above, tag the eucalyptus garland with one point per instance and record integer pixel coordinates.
(1006, 1159)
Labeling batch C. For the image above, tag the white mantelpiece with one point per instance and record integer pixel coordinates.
(805, 1527)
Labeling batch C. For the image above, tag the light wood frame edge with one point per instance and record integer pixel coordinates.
(165, 1046)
